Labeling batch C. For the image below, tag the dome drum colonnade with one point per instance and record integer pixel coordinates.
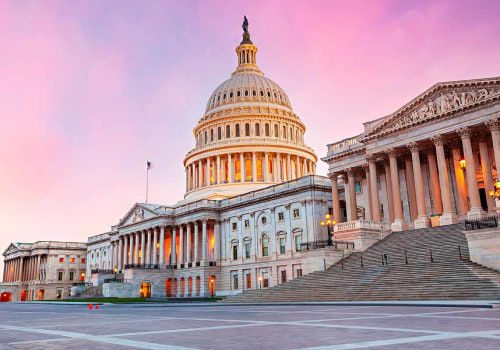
(249, 135)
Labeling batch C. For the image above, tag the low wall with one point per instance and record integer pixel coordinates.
(484, 247)
(118, 290)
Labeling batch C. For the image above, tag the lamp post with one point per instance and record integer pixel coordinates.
(462, 164)
(260, 282)
(82, 276)
(115, 270)
(328, 223)
(212, 289)
(495, 193)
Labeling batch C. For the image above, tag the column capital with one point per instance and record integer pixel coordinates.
(413, 147)
(350, 171)
(493, 124)
(391, 153)
(464, 132)
(438, 140)
(371, 158)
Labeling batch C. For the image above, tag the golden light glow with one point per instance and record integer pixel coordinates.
(462, 163)
(327, 216)
(116, 269)
(497, 184)
(248, 169)
(491, 193)
(237, 170)
(322, 223)
(83, 274)
(259, 169)
(334, 222)
(157, 245)
(260, 278)
(328, 222)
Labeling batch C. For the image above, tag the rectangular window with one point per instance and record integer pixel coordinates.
(247, 223)
(298, 242)
(234, 226)
(265, 282)
(83, 260)
(249, 281)
(235, 281)
(283, 276)
(60, 276)
(281, 216)
(235, 252)
(282, 245)
(296, 213)
(357, 187)
(72, 260)
(71, 275)
(247, 250)
(299, 272)
(61, 260)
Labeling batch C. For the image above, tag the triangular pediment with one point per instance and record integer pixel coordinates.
(139, 212)
(441, 100)
(12, 248)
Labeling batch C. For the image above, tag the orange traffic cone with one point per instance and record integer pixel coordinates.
(96, 306)
(90, 306)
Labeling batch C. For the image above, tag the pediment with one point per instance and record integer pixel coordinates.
(12, 248)
(442, 99)
(139, 212)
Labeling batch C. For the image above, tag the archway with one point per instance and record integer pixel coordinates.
(6, 296)
(40, 294)
(168, 287)
(198, 286)
(145, 290)
(183, 287)
(190, 286)
(174, 287)
(212, 285)
(23, 295)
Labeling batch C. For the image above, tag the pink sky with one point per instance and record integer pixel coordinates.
(90, 89)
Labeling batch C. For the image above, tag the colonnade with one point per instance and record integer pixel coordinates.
(147, 247)
(22, 269)
(439, 185)
(247, 167)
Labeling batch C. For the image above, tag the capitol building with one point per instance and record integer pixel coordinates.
(255, 214)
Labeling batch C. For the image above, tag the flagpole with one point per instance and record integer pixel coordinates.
(147, 180)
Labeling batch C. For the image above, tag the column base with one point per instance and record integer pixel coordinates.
(448, 219)
(475, 213)
(422, 222)
(399, 225)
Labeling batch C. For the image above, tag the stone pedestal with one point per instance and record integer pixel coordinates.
(484, 247)
(399, 225)
(422, 222)
(475, 213)
(448, 219)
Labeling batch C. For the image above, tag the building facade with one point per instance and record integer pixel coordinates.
(435, 158)
(42, 270)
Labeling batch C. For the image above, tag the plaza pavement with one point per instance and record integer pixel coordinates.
(315, 327)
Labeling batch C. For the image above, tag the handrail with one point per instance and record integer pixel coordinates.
(480, 223)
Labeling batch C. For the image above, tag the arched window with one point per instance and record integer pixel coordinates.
(219, 133)
(206, 137)
(284, 132)
(145, 290)
(267, 129)
(254, 93)
(291, 134)
(247, 129)
(276, 130)
(257, 130)
(198, 286)
(238, 93)
(231, 95)
(268, 94)
(237, 130)
(265, 245)
(246, 92)
(212, 135)
(297, 135)
(261, 92)
(228, 131)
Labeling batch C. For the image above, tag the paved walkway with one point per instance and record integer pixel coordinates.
(316, 327)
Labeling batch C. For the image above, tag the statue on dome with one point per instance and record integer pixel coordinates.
(246, 34)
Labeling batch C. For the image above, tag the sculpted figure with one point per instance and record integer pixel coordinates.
(455, 100)
(138, 215)
(445, 103)
(469, 98)
(483, 93)
(431, 107)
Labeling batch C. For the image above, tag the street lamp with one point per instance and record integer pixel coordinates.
(328, 223)
(82, 276)
(212, 290)
(462, 163)
(115, 270)
(495, 193)
(260, 282)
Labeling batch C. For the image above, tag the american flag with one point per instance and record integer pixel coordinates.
(148, 164)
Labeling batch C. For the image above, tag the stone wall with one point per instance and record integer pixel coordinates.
(484, 247)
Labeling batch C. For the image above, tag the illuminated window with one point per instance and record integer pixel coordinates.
(265, 245)
(61, 260)
(145, 290)
(259, 169)
(248, 169)
(72, 260)
(247, 223)
(83, 260)
(281, 216)
(247, 250)
(282, 245)
(296, 213)
(237, 170)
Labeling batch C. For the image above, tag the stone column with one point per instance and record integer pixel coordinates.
(37, 271)
(204, 241)
(486, 168)
(410, 189)
(254, 167)
(476, 211)
(21, 269)
(155, 243)
(398, 224)
(352, 195)
(463, 204)
(230, 168)
(148, 247)
(494, 126)
(437, 207)
(143, 246)
(422, 220)
(448, 217)
(196, 244)
(218, 170)
(388, 186)
(265, 167)
(335, 198)
(136, 248)
(181, 244)
(188, 243)
(120, 253)
(125, 250)
(162, 246)
(207, 173)
(278, 168)
(288, 167)
(374, 188)
(243, 168)
(216, 240)
(173, 246)
(200, 174)
(368, 192)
